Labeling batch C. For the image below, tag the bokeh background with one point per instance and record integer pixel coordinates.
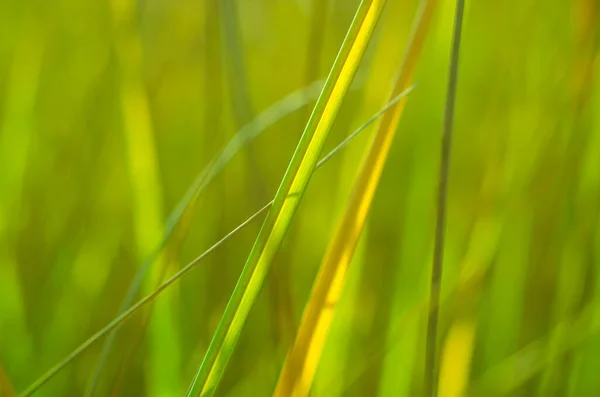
(110, 109)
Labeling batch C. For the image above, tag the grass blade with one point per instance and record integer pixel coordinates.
(438, 254)
(318, 27)
(582, 152)
(126, 314)
(300, 365)
(456, 358)
(476, 263)
(287, 105)
(284, 318)
(294, 183)
(510, 268)
(458, 350)
(242, 106)
(147, 197)
(134, 308)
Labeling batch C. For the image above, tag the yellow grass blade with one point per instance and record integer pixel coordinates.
(456, 359)
(300, 366)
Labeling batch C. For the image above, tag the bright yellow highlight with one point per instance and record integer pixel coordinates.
(456, 359)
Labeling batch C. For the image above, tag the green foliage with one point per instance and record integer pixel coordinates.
(110, 110)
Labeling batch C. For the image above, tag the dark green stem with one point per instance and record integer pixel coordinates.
(431, 368)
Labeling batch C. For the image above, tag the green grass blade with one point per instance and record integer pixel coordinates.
(147, 197)
(505, 304)
(438, 254)
(242, 106)
(293, 184)
(126, 314)
(270, 116)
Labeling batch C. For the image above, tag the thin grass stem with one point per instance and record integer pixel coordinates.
(431, 369)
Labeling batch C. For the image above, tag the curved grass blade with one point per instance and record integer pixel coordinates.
(289, 104)
(440, 228)
(301, 363)
(133, 308)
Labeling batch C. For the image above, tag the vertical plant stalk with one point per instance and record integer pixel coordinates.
(300, 366)
(242, 105)
(163, 353)
(287, 199)
(438, 253)
(172, 239)
(457, 352)
(243, 110)
(168, 258)
(477, 261)
(318, 25)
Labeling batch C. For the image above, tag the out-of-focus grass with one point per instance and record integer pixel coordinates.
(522, 241)
(147, 200)
(17, 129)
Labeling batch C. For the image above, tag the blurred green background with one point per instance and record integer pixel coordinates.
(109, 110)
